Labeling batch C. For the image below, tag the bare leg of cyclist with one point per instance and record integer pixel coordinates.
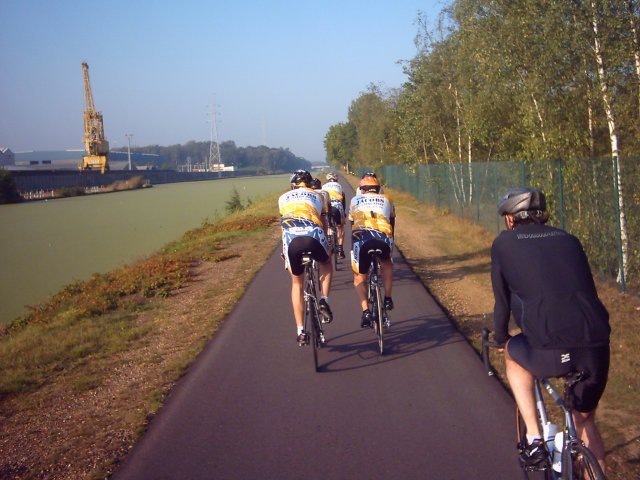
(521, 382)
(387, 276)
(340, 229)
(360, 284)
(588, 432)
(297, 299)
(326, 274)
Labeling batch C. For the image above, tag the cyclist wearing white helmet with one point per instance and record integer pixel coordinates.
(541, 275)
(336, 207)
(303, 219)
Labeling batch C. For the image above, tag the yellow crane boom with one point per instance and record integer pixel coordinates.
(96, 146)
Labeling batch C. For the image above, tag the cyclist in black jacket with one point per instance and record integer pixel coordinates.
(541, 275)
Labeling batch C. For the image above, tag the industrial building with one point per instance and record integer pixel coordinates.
(72, 160)
(7, 157)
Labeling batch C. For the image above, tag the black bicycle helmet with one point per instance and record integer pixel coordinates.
(521, 200)
(316, 184)
(301, 178)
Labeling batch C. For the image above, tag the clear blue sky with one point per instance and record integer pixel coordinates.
(282, 71)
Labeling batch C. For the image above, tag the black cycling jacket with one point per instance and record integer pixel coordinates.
(541, 275)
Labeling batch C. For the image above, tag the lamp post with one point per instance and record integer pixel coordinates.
(129, 135)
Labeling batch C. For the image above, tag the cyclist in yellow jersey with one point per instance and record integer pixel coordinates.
(316, 184)
(372, 217)
(303, 220)
(336, 208)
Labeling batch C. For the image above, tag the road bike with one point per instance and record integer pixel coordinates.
(569, 458)
(376, 299)
(332, 239)
(312, 320)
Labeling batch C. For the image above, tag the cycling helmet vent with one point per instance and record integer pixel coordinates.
(301, 178)
(522, 199)
(369, 182)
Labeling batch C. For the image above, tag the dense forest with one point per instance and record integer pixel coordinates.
(525, 80)
(261, 159)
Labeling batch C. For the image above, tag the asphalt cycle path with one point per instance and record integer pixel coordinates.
(253, 407)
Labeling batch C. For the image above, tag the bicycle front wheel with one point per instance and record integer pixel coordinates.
(579, 463)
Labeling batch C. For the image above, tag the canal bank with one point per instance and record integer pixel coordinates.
(46, 245)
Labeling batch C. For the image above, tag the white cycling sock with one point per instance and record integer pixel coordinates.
(300, 330)
(326, 299)
(531, 438)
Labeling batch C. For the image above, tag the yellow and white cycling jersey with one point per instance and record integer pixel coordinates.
(372, 211)
(326, 198)
(301, 212)
(302, 204)
(335, 191)
(336, 196)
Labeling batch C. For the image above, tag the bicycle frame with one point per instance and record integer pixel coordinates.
(572, 446)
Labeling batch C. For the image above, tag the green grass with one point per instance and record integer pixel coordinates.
(98, 317)
(51, 244)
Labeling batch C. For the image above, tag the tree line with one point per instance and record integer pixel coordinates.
(262, 159)
(496, 80)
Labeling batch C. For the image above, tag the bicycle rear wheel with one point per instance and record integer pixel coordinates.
(311, 315)
(379, 320)
(579, 463)
(333, 244)
(315, 336)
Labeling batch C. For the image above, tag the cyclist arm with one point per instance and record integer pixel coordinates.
(325, 214)
(502, 298)
(392, 220)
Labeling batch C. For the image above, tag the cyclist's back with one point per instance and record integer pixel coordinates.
(372, 217)
(335, 193)
(336, 208)
(541, 275)
(551, 289)
(303, 219)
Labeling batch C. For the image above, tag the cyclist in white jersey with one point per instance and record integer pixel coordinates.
(337, 207)
(316, 184)
(372, 217)
(303, 220)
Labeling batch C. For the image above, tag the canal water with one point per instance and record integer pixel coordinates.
(48, 244)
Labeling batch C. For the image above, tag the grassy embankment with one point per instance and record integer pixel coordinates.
(84, 371)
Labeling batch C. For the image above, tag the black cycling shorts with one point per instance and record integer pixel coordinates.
(594, 361)
(300, 245)
(365, 259)
(336, 216)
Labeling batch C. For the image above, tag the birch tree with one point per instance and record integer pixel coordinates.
(613, 135)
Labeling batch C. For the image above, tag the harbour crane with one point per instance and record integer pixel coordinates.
(96, 146)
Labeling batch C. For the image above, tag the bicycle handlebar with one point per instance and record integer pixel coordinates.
(486, 344)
